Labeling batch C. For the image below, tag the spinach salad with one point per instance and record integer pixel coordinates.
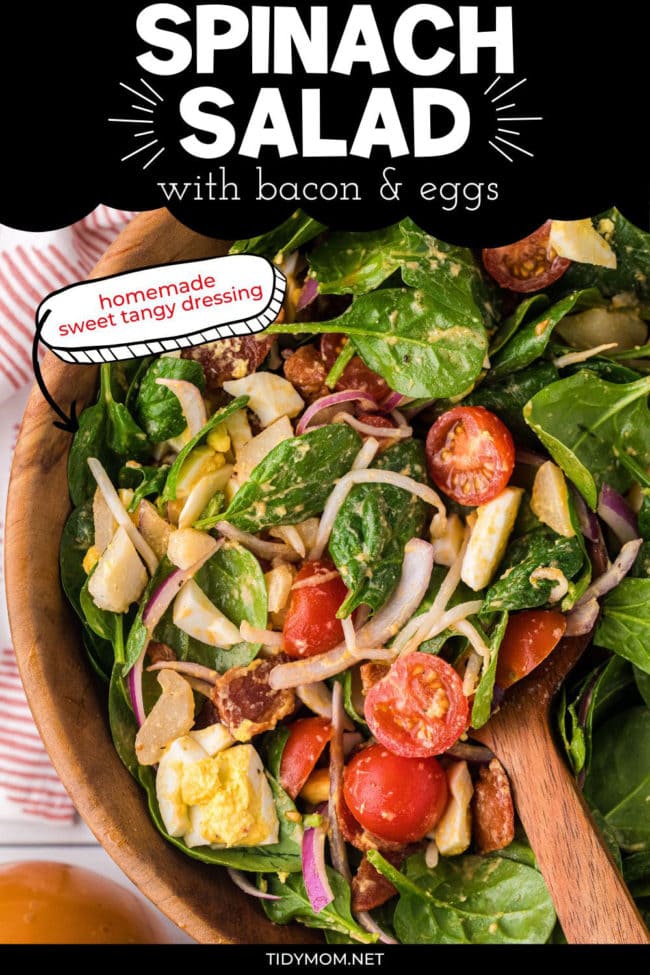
(308, 563)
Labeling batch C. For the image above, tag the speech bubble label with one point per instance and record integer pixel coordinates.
(161, 309)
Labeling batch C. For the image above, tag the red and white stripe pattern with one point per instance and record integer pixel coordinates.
(31, 266)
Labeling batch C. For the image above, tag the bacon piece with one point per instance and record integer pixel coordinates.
(229, 358)
(306, 370)
(370, 889)
(159, 651)
(493, 815)
(245, 702)
(371, 674)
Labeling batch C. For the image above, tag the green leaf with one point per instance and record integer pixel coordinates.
(124, 727)
(469, 900)
(169, 491)
(234, 582)
(513, 589)
(411, 339)
(295, 906)
(643, 684)
(482, 707)
(514, 321)
(105, 624)
(281, 856)
(145, 482)
(355, 263)
(624, 626)
(584, 422)
(508, 397)
(373, 526)
(273, 747)
(618, 782)
(276, 243)
(636, 873)
(295, 479)
(530, 341)
(632, 248)
(158, 409)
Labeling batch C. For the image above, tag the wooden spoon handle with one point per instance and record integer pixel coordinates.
(592, 902)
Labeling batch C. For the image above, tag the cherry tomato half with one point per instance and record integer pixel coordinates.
(418, 709)
(311, 626)
(304, 746)
(356, 374)
(396, 798)
(529, 638)
(528, 265)
(470, 454)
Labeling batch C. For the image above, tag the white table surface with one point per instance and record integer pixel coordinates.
(68, 844)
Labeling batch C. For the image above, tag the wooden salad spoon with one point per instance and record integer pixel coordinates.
(591, 900)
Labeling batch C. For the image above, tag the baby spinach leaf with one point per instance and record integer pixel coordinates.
(212, 513)
(469, 900)
(295, 906)
(276, 243)
(169, 491)
(106, 431)
(272, 749)
(281, 856)
(514, 321)
(372, 527)
(124, 727)
(482, 706)
(158, 409)
(632, 248)
(145, 481)
(508, 397)
(624, 626)
(586, 424)
(355, 263)
(642, 681)
(530, 341)
(107, 625)
(618, 782)
(513, 589)
(410, 338)
(636, 873)
(295, 479)
(234, 582)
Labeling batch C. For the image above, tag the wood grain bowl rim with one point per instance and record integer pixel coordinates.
(66, 699)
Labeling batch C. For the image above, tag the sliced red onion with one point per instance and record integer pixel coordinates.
(369, 924)
(582, 619)
(191, 402)
(135, 688)
(588, 522)
(163, 596)
(392, 401)
(308, 293)
(470, 753)
(186, 668)
(264, 550)
(334, 399)
(367, 429)
(616, 512)
(314, 872)
(337, 758)
(240, 880)
(615, 574)
(530, 458)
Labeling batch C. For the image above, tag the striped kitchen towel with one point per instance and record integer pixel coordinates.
(31, 266)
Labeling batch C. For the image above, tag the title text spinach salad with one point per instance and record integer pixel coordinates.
(308, 563)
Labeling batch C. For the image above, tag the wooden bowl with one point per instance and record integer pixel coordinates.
(67, 700)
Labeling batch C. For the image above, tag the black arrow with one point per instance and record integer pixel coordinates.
(68, 423)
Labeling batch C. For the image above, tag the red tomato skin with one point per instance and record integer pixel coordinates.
(395, 798)
(418, 709)
(356, 374)
(531, 635)
(304, 746)
(470, 454)
(311, 626)
(527, 265)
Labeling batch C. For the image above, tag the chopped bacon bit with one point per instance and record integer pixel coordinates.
(493, 816)
(370, 889)
(247, 705)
